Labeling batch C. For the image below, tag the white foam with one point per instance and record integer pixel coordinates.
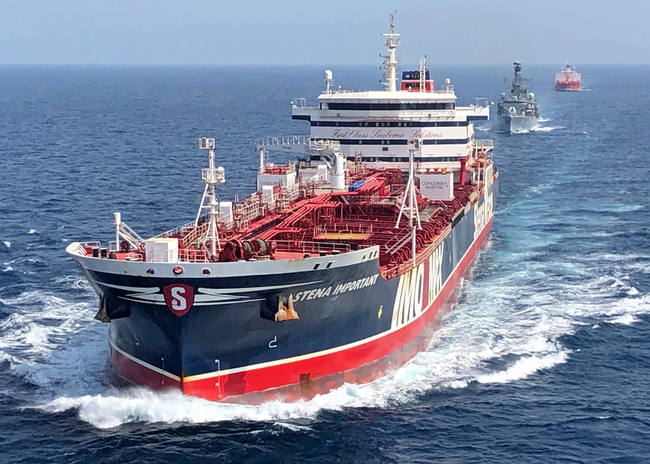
(4, 357)
(524, 367)
(139, 405)
(547, 128)
(625, 319)
(445, 368)
(293, 427)
(74, 281)
(7, 243)
(537, 129)
(53, 342)
(32, 231)
(615, 208)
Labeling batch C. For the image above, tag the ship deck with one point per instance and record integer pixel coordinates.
(310, 220)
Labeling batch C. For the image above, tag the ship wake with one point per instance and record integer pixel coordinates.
(507, 326)
(538, 128)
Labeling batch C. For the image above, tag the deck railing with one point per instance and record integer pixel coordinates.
(281, 141)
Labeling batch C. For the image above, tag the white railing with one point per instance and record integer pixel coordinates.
(485, 145)
(269, 167)
(195, 234)
(286, 195)
(247, 212)
(177, 230)
(287, 140)
(396, 243)
(318, 145)
(130, 235)
(81, 247)
(481, 102)
(445, 88)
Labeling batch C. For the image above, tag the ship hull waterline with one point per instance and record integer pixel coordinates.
(360, 328)
(567, 86)
(515, 124)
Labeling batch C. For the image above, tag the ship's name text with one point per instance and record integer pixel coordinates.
(336, 289)
(384, 134)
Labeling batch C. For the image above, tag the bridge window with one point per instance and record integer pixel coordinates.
(392, 106)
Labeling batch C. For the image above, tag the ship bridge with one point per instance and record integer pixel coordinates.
(374, 126)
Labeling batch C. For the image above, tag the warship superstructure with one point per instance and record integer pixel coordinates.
(517, 111)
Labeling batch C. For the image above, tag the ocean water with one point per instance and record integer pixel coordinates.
(544, 359)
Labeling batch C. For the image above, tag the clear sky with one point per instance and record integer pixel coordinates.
(307, 32)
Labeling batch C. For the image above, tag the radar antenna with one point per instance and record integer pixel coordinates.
(390, 63)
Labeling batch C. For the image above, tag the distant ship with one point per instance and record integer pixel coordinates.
(567, 80)
(518, 111)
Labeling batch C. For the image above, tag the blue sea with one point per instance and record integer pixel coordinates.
(545, 358)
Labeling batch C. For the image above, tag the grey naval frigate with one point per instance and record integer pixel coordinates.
(517, 112)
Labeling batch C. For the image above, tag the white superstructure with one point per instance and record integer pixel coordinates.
(378, 124)
(374, 126)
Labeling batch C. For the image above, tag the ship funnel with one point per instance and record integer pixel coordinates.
(337, 177)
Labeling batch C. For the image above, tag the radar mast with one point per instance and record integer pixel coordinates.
(211, 177)
(390, 63)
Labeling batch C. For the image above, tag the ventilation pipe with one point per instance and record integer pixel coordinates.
(463, 169)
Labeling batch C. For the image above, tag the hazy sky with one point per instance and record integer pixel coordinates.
(322, 32)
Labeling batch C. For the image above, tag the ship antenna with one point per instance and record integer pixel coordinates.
(211, 177)
(390, 63)
(412, 208)
(423, 72)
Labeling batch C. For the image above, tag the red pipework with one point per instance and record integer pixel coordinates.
(463, 169)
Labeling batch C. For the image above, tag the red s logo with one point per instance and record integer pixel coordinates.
(179, 298)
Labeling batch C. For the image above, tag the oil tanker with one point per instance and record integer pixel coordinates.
(567, 80)
(337, 269)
